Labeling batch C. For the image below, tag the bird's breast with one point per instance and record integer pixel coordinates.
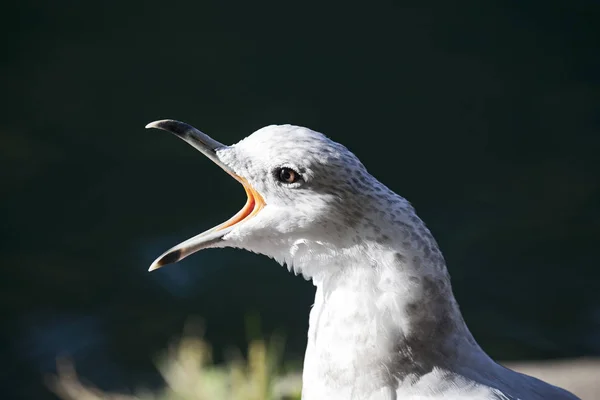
(347, 345)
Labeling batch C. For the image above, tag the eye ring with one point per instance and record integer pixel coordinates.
(287, 175)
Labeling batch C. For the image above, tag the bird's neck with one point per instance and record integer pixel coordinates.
(385, 314)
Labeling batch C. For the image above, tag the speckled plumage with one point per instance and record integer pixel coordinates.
(385, 324)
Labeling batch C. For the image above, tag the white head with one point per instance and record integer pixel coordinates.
(308, 197)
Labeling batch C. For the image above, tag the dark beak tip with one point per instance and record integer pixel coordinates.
(156, 124)
(197, 139)
(170, 258)
(170, 125)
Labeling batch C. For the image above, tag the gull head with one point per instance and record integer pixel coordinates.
(307, 195)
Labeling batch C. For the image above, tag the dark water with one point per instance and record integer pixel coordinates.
(484, 116)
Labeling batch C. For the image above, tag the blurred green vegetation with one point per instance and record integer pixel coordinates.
(190, 374)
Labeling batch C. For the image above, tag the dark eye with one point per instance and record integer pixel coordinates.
(287, 175)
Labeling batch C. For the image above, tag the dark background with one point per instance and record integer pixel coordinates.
(483, 114)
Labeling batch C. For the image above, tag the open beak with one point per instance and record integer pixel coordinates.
(207, 146)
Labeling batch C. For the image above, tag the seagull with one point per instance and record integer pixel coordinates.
(385, 323)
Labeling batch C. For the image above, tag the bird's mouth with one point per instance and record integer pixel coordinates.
(207, 146)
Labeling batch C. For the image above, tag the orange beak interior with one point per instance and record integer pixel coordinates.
(253, 205)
